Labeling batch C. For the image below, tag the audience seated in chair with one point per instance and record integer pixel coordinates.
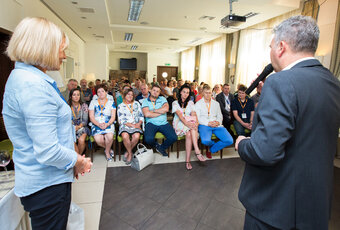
(224, 99)
(102, 115)
(136, 89)
(216, 91)
(243, 111)
(200, 93)
(120, 96)
(210, 122)
(144, 94)
(72, 84)
(256, 97)
(80, 117)
(85, 93)
(175, 91)
(131, 119)
(155, 110)
(185, 123)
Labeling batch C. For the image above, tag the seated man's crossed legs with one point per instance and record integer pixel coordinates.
(166, 130)
(225, 139)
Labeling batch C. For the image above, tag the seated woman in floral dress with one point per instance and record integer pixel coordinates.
(131, 119)
(102, 113)
(80, 117)
(185, 123)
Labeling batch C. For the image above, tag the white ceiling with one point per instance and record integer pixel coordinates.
(165, 19)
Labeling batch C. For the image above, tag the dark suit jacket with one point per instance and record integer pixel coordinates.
(221, 99)
(288, 177)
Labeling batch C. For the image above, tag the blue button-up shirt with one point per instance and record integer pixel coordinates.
(38, 122)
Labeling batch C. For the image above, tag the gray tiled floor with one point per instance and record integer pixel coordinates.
(166, 196)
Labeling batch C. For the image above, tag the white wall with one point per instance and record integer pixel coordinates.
(96, 61)
(142, 59)
(160, 59)
(326, 23)
(12, 11)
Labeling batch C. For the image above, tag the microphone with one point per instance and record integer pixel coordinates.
(266, 71)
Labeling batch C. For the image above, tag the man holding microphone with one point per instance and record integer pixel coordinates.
(288, 178)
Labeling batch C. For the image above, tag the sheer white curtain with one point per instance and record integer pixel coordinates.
(254, 52)
(188, 64)
(212, 62)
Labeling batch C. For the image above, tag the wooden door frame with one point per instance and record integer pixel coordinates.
(161, 66)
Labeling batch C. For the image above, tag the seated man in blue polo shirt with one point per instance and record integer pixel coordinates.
(155, 108)
(243, 111)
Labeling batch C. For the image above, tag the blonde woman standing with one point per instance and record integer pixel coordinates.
(38, 123)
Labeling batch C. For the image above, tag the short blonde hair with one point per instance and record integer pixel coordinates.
(36, 41)
(206, 87)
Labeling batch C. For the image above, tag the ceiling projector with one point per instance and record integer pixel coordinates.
(232, 20)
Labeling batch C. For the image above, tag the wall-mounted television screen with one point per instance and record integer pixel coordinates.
(128, 64)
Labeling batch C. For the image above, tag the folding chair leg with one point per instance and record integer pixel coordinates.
(177, 149)
(221, 153)
(119, 148)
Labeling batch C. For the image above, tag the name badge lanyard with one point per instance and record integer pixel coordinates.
(208, 107)
(74, 114)
(102, 107)
(130, 109)
(244, 115)
(228, 103)
(153, 104)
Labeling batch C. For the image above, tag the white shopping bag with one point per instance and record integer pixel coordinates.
(75, 218)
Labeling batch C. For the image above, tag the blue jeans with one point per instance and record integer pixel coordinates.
(240, 130)
(166, 130)
(225, 139)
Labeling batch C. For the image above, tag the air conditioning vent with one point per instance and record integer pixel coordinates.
(87, 10)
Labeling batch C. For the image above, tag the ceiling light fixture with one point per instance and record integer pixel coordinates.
(134, 47)
(128, 36)
(135, 10)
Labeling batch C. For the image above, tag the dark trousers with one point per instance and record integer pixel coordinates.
(166, 130)
(49, 207)
(252, 223)
(227, 122)
(240, 130)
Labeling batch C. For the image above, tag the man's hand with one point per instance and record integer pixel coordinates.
(213, 124)
(82, 165)
(240, 138)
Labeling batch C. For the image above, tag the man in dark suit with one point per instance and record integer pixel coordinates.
(287, 182)
(225, 98)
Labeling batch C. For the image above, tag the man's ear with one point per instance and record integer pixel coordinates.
(281, 48)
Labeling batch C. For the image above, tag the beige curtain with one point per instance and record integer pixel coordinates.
(335, 59)
(310, 8)
(253, 51)
(188, 64)
(229, 45)
(212, 61)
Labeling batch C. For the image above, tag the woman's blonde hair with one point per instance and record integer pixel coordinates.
(36, 41)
